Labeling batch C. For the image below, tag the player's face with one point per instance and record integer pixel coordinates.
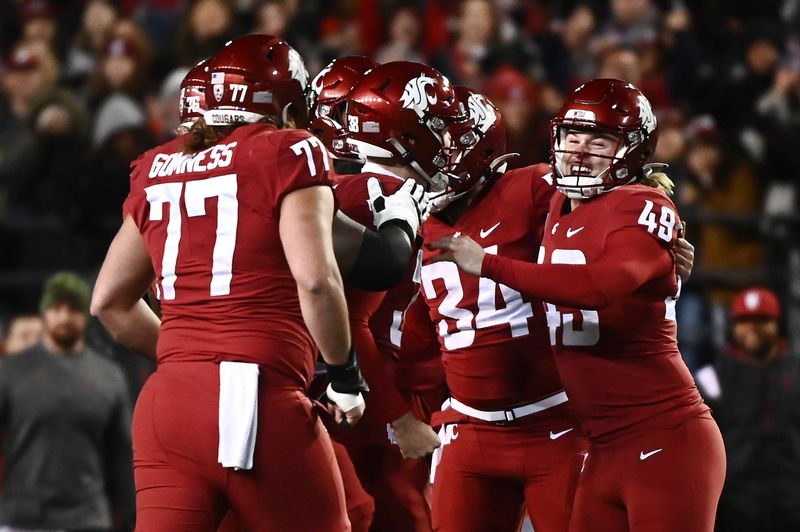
(588, 153)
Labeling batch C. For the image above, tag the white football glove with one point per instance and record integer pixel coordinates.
(409, 204)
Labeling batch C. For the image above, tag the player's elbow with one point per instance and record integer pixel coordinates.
(317, 283)
(100, 305)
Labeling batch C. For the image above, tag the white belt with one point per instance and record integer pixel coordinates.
(512, 414)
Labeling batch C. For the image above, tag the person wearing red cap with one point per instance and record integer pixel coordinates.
(754, 391)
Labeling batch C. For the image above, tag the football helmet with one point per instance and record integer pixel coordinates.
(326, 100)
(607, 107)
(400, 111)
(192, 101)
(255, 76)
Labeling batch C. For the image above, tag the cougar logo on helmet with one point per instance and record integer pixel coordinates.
(297, 68)
(649, 122)
(480, 113)
(415, 95)
(316, 84)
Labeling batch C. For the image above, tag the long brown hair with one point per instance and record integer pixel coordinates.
(201, 136)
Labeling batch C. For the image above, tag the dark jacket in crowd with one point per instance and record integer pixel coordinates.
(65, 421)
(758, 412)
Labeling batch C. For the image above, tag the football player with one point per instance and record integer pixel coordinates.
(608, 273)
(360, 505)
(395, 120)
(234, 222)
(509, 435)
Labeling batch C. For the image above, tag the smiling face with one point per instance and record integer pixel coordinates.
(587, 153)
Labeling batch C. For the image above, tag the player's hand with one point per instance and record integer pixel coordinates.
(344, 390)
(462, 250)
(415, 438)
(346, 417)
(409, 205)
(684, 256)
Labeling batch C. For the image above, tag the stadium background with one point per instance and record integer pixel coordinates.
(87, 85)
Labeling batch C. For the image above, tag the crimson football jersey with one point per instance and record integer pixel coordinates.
(210, 224)
(375, 317)
(620, 363)
(493, 339)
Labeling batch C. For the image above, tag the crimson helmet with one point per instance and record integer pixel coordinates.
(606, 106)
(326, 100)
(399, 111)
(192, 101)
(254, 76)
(479, 142)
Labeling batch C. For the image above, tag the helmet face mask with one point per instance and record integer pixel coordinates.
(401, 111)
(477, 143)
(253, 77)
(607, 109)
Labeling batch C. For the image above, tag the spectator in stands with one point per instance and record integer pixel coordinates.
(631, 23)
(120, 135)
(208, 25)
(567, 56)
(726, 194)
(58, 127)
(39, 22)
(99, 18)
(754, 390)
(31, 69)
(65, 416)
(778, 119)
(122, 68)
(518, 99)
(24, 331)
(737, 93)
(271, 17)
(476, 42)
(405, 32)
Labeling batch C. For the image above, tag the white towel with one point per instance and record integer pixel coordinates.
(238, 414)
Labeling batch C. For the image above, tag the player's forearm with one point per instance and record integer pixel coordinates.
(136, 327)
(325, 313)
(561, 284)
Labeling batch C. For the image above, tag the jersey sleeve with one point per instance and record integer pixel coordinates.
(136, 201)
(629, 260)
(302, 162)
(420, 340)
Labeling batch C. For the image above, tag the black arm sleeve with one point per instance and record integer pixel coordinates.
(382, 259)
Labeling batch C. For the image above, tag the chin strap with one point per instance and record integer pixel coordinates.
(438, 182)
(499, 165)
(651, 168)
